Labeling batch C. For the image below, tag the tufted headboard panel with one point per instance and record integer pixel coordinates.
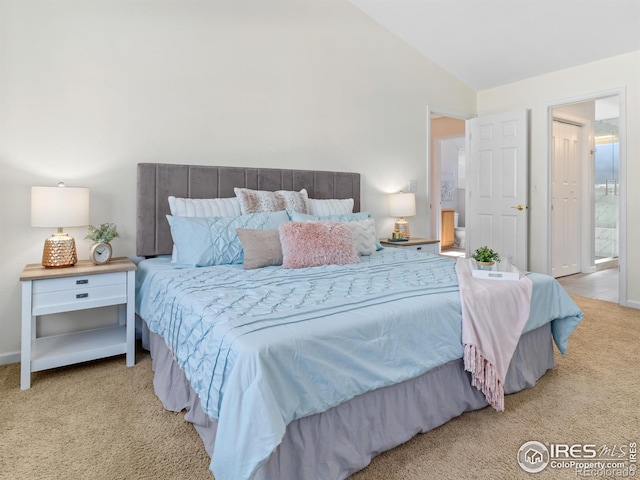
(157, 181)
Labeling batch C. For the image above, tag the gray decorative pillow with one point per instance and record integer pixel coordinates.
(261, 247)
(254, 201)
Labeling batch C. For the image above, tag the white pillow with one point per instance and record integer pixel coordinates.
(204, 207)
(364, 236)
(332, 206)
(201, 208)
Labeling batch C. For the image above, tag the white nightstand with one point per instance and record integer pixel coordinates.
(55, 290)
(414, 243)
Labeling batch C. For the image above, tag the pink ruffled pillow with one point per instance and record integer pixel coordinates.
(311, 244)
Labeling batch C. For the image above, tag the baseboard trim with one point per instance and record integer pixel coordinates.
(8, 358)
(607, 264)
(631, 304)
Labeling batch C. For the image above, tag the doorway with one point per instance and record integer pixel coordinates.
(450, 156)
(586, 184)
(495, 175)
(447, 180)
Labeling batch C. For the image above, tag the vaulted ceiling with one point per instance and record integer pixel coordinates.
(489, 43)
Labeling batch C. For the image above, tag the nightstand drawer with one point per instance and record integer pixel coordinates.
(415, 244)
(78, 298)
(427, 248)
(79, 283)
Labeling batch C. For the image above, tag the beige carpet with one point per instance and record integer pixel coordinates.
(102, 420)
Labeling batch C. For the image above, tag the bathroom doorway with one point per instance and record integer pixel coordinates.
(448, 183)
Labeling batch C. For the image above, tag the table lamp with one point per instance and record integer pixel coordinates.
(402, 205)
(59, 207)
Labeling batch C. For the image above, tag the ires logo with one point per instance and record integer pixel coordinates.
(586, 459)
(578, 450)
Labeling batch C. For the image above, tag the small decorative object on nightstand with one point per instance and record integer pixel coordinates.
(101, 251)
(59, 207)
(46, 291)
(419, 244)
(402, 205)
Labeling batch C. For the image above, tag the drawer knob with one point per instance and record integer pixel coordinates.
(82, 295)
(84, 281)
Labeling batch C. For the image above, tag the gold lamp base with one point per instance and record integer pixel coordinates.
(59, 251)
(403, 227)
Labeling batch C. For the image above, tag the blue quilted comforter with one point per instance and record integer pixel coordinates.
(264, 347)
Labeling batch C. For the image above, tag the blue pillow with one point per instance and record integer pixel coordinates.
(345, 217)
(206, 241)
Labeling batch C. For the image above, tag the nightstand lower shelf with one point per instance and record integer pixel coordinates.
(66, 349)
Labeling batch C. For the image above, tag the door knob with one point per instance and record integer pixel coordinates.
(520, 207)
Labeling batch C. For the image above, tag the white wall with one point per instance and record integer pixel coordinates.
(89, 89)
(537, 94)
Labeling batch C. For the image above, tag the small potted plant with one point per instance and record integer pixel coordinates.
(485, 258)
(101, 236)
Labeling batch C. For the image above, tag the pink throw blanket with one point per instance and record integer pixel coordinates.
(494, 313)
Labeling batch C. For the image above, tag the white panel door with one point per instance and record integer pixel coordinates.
(566, 196)
(498, 185)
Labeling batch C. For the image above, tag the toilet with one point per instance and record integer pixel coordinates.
(458, 233)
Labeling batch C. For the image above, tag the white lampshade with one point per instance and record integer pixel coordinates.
(59, 206)
(402, 204)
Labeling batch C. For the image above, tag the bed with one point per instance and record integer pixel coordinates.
(311, 372)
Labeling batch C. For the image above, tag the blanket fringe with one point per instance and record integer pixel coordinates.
(484, 377)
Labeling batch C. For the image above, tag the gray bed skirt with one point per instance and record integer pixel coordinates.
(336, 443)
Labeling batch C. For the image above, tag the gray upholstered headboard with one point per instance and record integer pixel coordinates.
(157, 181)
